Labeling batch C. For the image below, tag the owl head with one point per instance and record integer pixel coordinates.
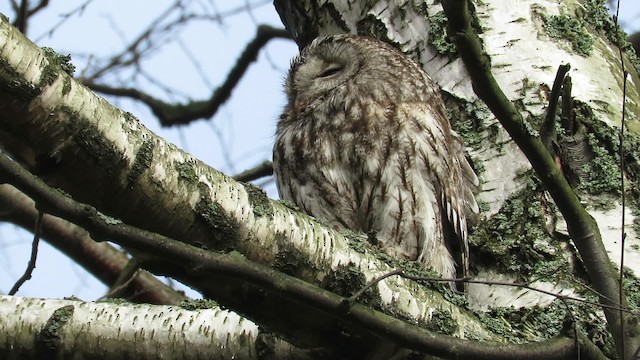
(327, 63)
(337, 66)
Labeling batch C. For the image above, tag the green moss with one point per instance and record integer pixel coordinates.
(223, 228)
(289, 205)
(14, 83)
(289, 260)
(438, 38)
(467, 119)
(48, 340)
(515, 240)
(631, 286)
(143, 159)
(346, 280)
(66, 85)
(186, 172)
(198, 304)
(55, 63)
(91, 141)
(259, 201)
(356, 240)
(603, 172)
(112, 300)
(631, 152)
(566, 28)
(527, 324)
(596, 15)
(441, 322)
(498, 321)
(534, 324)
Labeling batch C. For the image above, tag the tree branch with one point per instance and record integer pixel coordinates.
(313, 309)
(100, 259)
(582, 227)
(179, 114)
(57, 127)
(262, 170)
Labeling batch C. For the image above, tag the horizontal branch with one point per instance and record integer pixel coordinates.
(309, 307)
(104, 157)
(262, 170)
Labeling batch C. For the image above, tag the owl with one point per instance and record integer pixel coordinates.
(364, 143)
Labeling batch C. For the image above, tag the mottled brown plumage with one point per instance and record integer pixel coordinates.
(364, 143)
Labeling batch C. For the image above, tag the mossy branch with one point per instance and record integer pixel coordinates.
(312, 309)
(582, 228)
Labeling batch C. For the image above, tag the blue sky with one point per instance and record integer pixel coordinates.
(194, 61)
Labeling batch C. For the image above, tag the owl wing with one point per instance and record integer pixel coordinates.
(440, 160)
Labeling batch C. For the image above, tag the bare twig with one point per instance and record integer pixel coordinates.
(623, 235)
(129, 275)
(467, 280)
(63, 17)
(180, 114)
(371, 283)
(34, 255)
(262, 170)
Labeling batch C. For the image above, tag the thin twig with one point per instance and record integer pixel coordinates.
(113, 292)
(548, 128)
(169, 114)
(34, 255)
(260, 171)
(355, 296)
(467, 280)
(623, 236)
(518, 285)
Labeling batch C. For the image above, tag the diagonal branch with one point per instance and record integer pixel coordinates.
(315, 310)
(179, 114)
(582, 227)
(101, 260)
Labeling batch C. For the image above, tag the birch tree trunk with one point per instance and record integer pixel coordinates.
(521, 236)
(292, 276)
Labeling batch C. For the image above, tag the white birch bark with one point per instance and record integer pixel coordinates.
(178, 186)
(174, 183)
(524, 58)
(66, 329)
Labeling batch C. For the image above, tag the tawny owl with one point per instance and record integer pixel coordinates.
(364, 143)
